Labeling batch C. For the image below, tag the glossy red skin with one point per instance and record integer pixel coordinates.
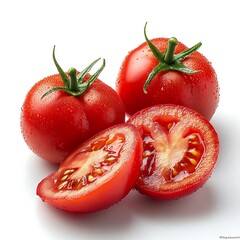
(58, 123)
(170, 191)
(106, 194)
(199, 91)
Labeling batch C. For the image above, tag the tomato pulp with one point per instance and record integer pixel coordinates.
(98, 174)
(180, 150)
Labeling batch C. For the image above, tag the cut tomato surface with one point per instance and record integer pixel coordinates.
(180, 150)
(98, 174)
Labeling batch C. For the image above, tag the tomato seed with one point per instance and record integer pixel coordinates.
(98, 171)
(194, 152)
(192, 157)
(109, 141)
(194, 142)
(174, 171)
(110, 159)
(62, 185)
(192, 137)
(65, 177)
(99, 144)
(193, 161)
(79, 186)
(91, 178)
(169, 125)
(68, 171)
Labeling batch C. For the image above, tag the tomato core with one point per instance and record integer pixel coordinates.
(158, 161)
(108, 150)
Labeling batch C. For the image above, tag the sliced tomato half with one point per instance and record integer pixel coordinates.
(98, 174)
(180, 150)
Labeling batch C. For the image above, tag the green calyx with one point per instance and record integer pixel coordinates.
(73, 82)
(169, 60)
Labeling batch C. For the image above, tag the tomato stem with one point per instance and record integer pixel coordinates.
(168, 60)
(75, 85)
(73, 80)
(169, 55)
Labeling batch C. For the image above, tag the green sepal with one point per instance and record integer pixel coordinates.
(60, 71)
(165, 64)
(83, 86)
(178, 66)
(158, 55)
(75, 84)
(159, 68)
(182, 55)
(85, 71)
(60, 89)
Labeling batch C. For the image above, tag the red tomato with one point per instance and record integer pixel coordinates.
(181, 79)
(98, 174)
(54, 125)
(180, 150)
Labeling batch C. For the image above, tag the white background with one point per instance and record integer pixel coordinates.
(83, 31)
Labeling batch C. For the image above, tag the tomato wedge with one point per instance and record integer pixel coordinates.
(180, 150)
(98, 174)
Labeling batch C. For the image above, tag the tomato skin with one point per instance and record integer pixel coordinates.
(106, 193)
(191, 122)
(199, 91)
(56, 124)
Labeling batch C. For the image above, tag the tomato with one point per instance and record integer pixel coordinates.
(61, 112)
(180, 150)
(152, 74)
(98, 174)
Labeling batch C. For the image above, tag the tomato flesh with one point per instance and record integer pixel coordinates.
(97, 174)
(76, 179)
(180, 150)
(182, 168)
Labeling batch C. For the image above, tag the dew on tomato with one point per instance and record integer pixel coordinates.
(61, 111)
(150, 74)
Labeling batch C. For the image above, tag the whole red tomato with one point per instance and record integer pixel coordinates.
(97, 174)
(60, 112)
(165, 71)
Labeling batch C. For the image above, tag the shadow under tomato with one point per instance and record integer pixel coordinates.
(109, 222)
(127, 216)
(123, 216)
(57, 222)
(198, 205)
(227, 128)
